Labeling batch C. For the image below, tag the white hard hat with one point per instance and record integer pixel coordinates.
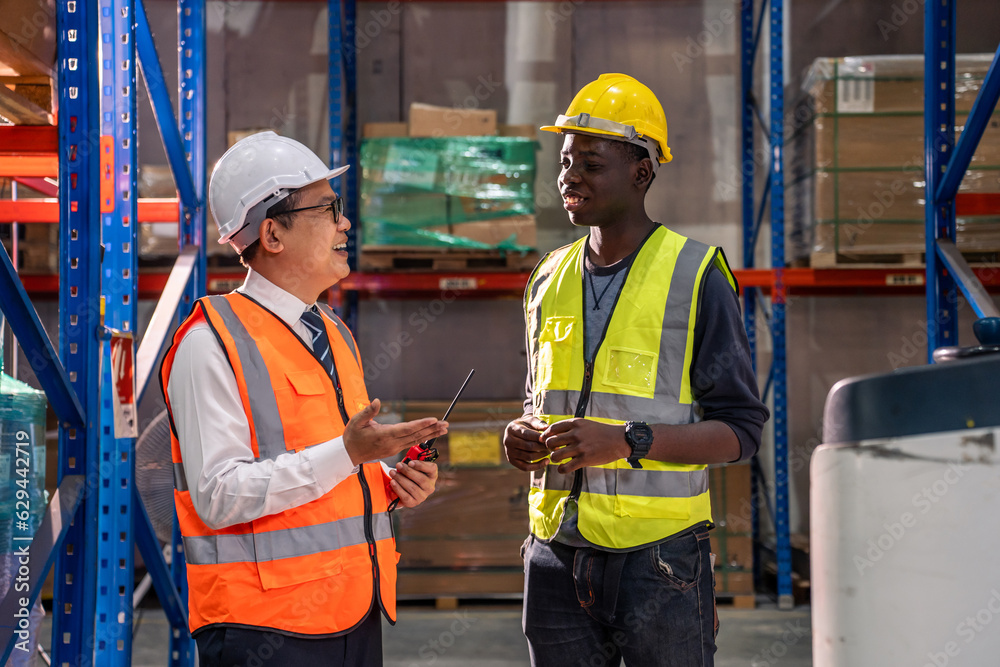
(254, 175)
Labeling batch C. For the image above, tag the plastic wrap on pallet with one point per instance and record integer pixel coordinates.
(857, 186)
(22, 491)
(420, 191)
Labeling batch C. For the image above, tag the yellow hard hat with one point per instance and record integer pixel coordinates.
(618, 107)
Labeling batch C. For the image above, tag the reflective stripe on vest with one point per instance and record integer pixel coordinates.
(308, 569)
(288, 543)
(264, 406)
(632, 482)
(641, 372)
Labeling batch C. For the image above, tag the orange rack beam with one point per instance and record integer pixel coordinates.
(47, 210)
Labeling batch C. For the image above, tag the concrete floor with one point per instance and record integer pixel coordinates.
(490, 636)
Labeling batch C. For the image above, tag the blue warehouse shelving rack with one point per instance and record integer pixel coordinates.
(946, 272)
(946, 164)
(95, 518)
(773, 198)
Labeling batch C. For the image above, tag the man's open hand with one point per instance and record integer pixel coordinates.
(367, 440)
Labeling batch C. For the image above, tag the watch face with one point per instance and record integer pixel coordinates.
(641, 434)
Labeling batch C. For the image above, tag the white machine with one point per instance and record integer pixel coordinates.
(905, 519)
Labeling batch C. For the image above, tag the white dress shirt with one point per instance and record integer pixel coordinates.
(227, 485)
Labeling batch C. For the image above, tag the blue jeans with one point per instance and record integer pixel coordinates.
(589, 608)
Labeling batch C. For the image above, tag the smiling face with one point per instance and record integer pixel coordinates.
(309, 255)
(598, 184)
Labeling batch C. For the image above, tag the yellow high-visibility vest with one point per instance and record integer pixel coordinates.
(640, 372)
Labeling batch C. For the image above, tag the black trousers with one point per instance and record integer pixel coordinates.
(242, 647)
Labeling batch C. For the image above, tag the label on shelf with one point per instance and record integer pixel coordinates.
(903, 279)
(456, 284)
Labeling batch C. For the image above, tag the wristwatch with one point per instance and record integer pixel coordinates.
(639, 437)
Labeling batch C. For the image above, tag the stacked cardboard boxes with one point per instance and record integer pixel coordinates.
(450, 183)
(857, 190)
(465, 540)
(732, 539)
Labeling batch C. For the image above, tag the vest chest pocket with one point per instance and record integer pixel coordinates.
(307, 400)
(556, 341)
(288, 558)
(631, 369)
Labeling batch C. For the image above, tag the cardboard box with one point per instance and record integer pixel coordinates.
(880, 84)
(38, 248)
(477, 517)
(373, 130)
(734, 583)
(519, 228)
(732, 552)
(889, 140)
(974, 235)
(159, 239)
(857, 160)
(431, 121)
(729, 489)
(527, 130)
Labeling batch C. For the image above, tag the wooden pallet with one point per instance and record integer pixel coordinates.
(856, 260)
(404, 258)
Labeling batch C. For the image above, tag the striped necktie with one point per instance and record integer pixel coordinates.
(320, 341)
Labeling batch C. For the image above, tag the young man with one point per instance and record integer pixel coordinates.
(281, 501)
(639, 375)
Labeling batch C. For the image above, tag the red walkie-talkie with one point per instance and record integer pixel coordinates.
(424, 451)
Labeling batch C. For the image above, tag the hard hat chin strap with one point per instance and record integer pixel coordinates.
(585, 121)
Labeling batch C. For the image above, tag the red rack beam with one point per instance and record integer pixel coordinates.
(491, 285)
(19, 139)
(977, 203)
(30, 166)
(47, 210)
(467, 283)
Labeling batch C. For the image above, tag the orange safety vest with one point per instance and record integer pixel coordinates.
(309, 570)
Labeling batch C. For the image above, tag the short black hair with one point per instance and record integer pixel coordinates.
(277, 211)
(630, 153)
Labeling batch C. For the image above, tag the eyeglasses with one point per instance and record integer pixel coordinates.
(334, 208)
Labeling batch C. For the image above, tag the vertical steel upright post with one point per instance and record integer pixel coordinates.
(118, 208)
(783, 547)
(748, 174)
(75, 578)
(344, 129)
(939, 143)
(191, 78)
